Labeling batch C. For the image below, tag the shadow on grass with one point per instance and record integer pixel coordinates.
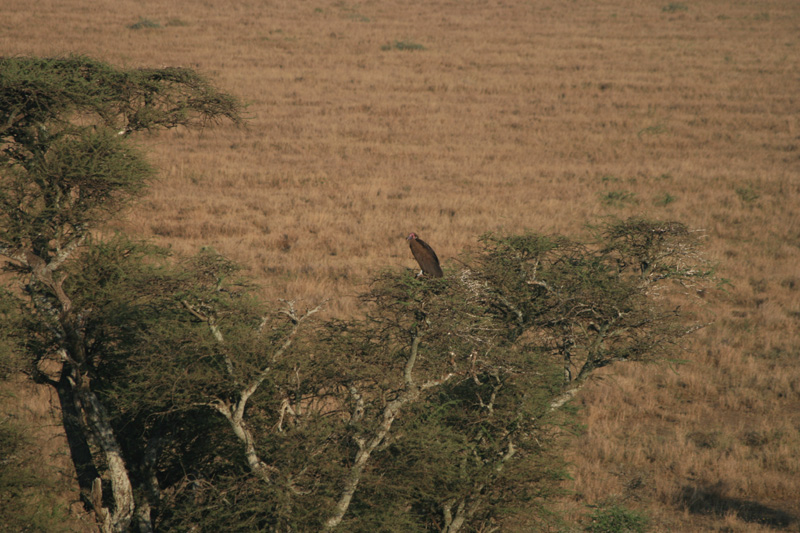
(710, 500)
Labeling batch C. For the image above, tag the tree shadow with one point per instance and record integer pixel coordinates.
(710, 500)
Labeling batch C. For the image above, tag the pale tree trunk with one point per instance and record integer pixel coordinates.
(118, 519)
(98, 422)
(96, 418)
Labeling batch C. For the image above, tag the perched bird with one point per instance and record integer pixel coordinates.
(425, 256)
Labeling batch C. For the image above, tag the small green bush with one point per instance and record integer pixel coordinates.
(143, 24)
(616, 519)
(618, 198)
(656, 129)
(748, 193)
(403, 45)
(674, 7)
(664, 200)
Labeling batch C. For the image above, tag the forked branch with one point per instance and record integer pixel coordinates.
(233, 411)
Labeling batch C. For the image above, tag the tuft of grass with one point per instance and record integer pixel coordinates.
(403, 45)
(143, 24)
(747, 193)
(675, 7)
(705, 439)
(350, 12)
(176, 23)
(616, 519)
(663, 199)
(656, 129)
(618, 198)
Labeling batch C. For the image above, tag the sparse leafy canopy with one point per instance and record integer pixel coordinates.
(65, 162)
(61, 92)
(66, 166)
(196, 406)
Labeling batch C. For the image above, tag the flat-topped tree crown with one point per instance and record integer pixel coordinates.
(65, 162)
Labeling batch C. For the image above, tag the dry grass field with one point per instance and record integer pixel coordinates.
(371, 120)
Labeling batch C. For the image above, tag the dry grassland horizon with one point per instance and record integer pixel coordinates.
(371, 120)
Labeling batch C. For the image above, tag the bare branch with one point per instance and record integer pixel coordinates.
(64, 253)
(358, 409)
(234, 412)
(411, 361)
(367, 444)
(566, 396)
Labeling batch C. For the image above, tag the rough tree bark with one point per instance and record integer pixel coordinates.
(75, 376)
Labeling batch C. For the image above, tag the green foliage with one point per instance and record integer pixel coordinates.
(468, 428)
(436, 407)
(590, 303)
(67, 183)
(144, 23)
(403, 45)
(675, 7)
(654, 250)
(476, 359)
(618, 198)
(42, 96)
(473, 363)
(616, 519)
(663, 200)
(64, 165)
(748, 194)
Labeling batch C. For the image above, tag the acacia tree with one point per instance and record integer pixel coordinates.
(66, 166)
(189, 404)
(434, 412)
(455, 384)
(303, 424)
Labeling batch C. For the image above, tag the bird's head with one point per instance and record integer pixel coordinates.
(411, 236)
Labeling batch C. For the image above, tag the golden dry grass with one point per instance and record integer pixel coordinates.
(543, 114)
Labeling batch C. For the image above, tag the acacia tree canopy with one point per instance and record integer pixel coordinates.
(66, 163)
(66, 166)
(435, 412)
(193, 405)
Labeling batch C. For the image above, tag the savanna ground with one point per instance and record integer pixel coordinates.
(452, 119)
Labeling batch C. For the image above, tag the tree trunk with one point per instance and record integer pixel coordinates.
(81, 454)
(99, 425)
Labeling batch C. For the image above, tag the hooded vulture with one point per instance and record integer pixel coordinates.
(425, 256)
